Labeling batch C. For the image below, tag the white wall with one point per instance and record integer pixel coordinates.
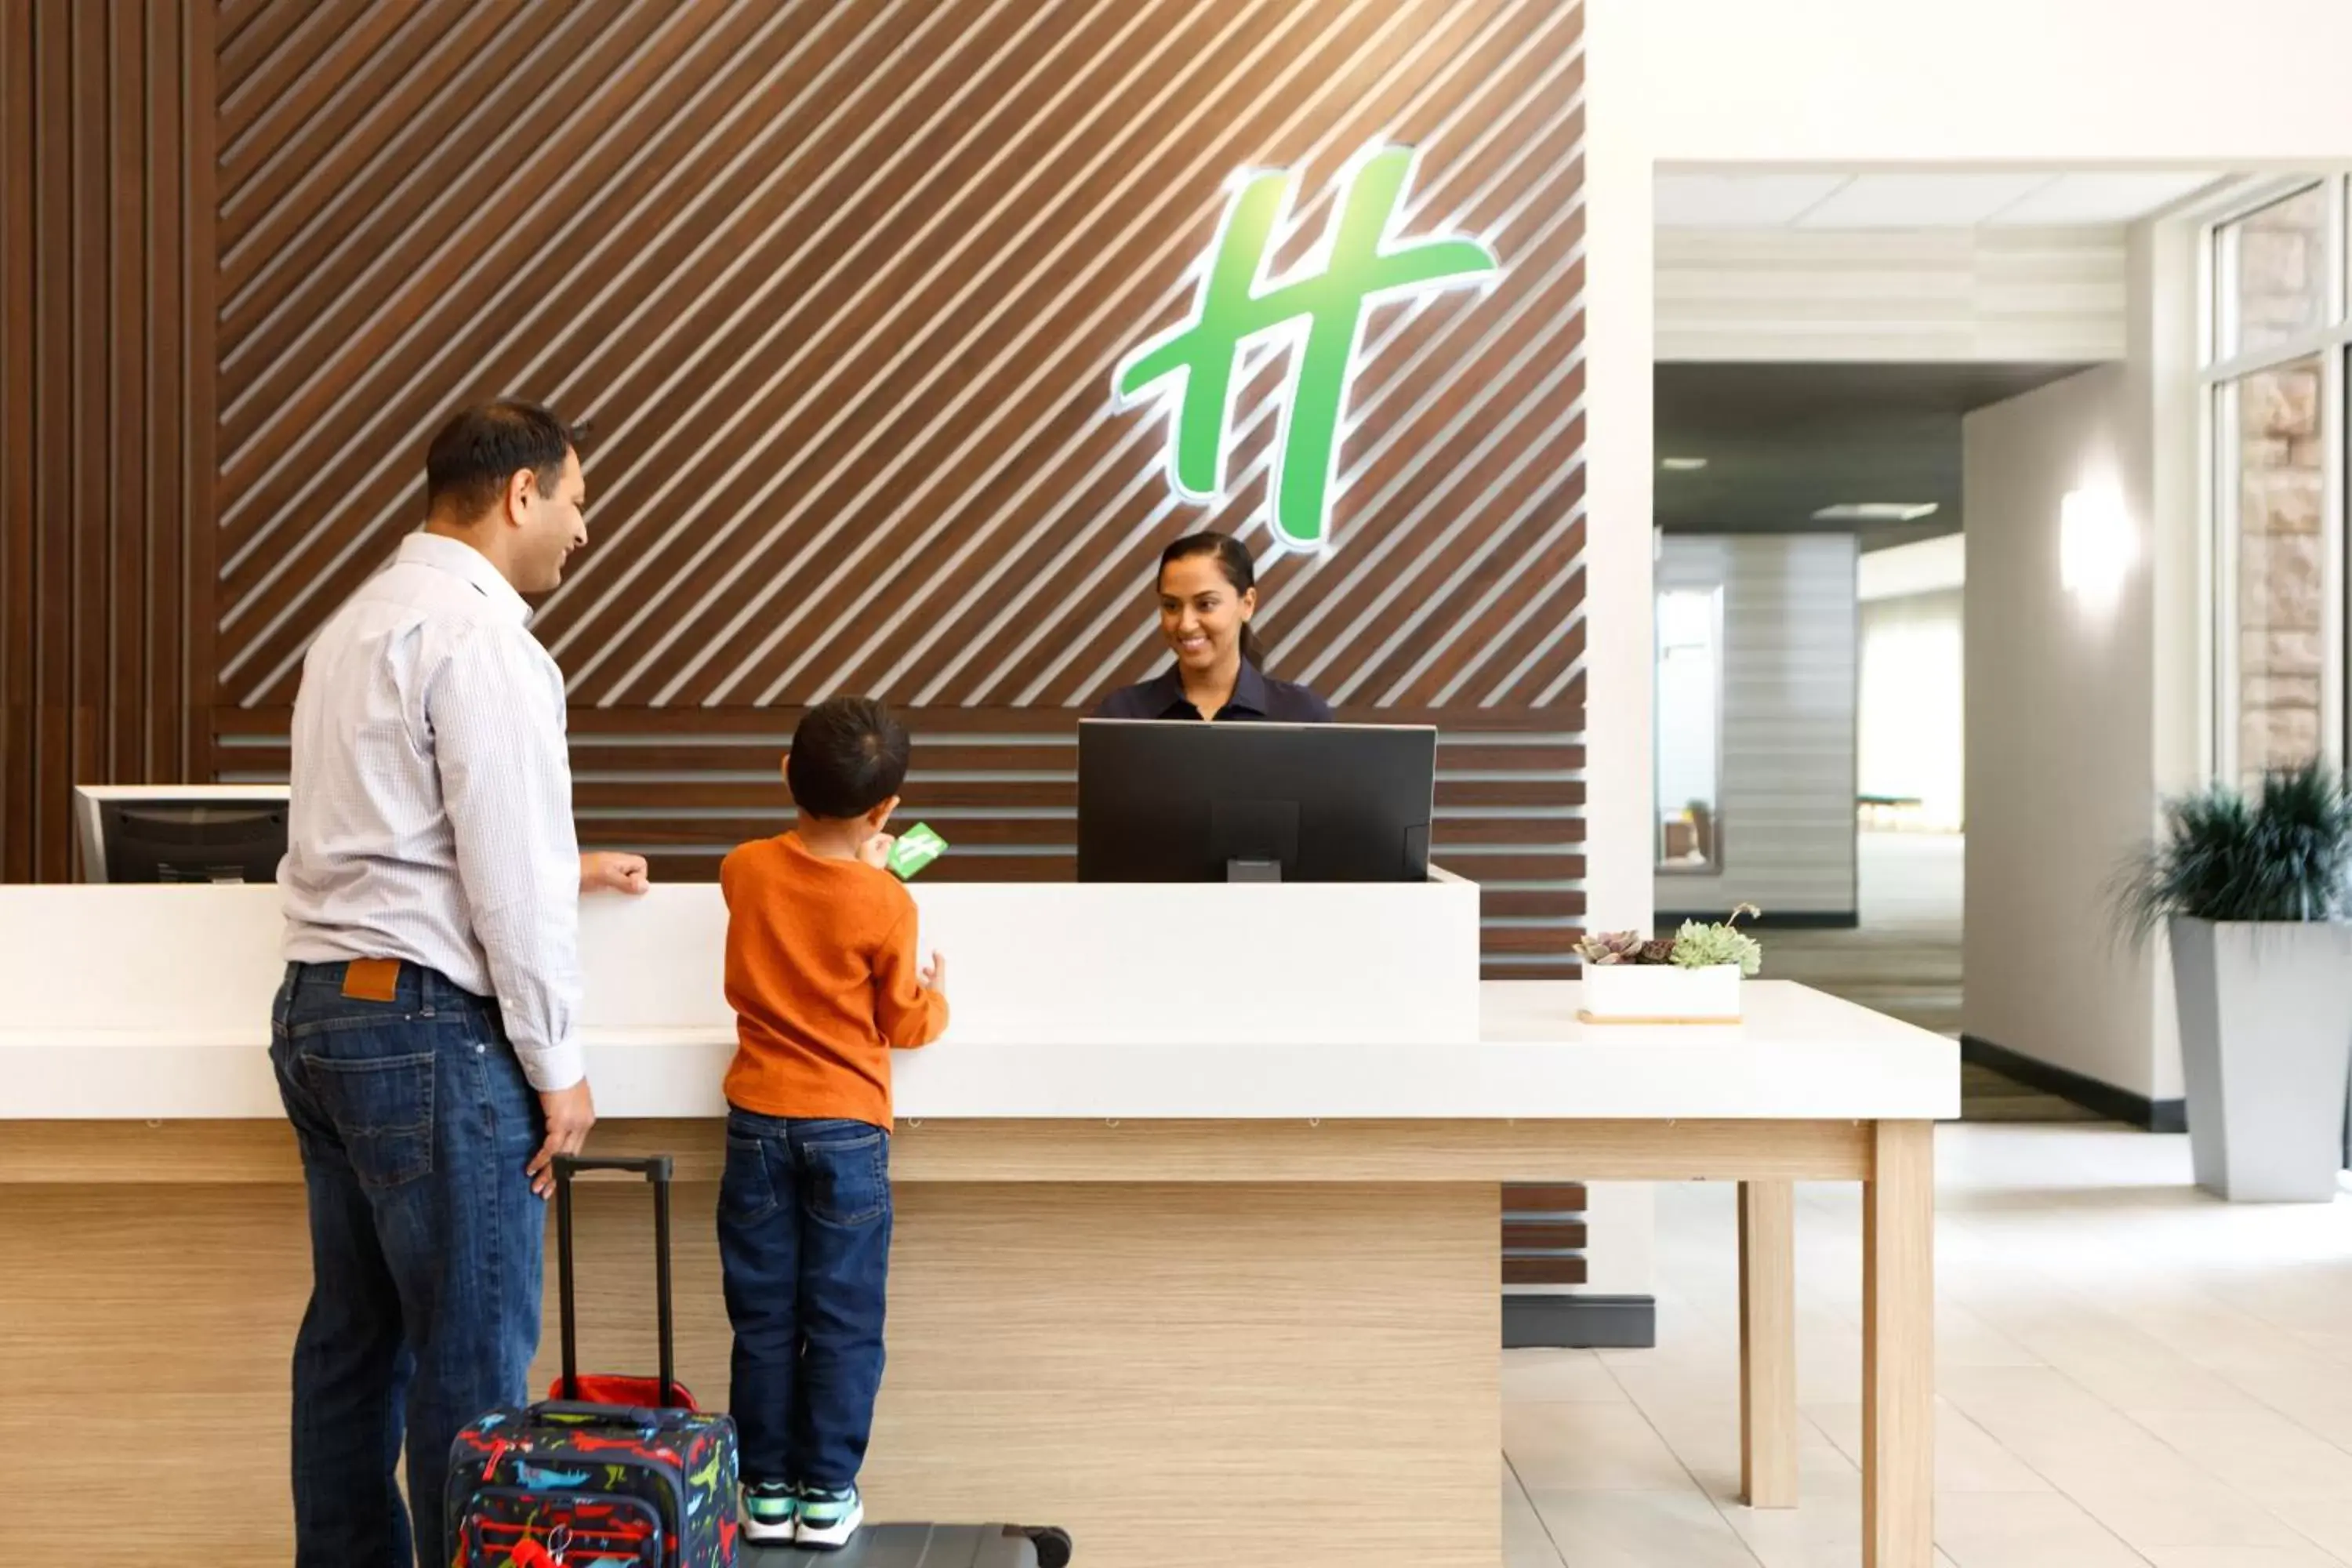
(1901, 295)
(1787, 773)
(1910, 734)
(1844, 84)
(1925, 566)
(1619, 165)
(2058, 84)
(2082, 82)
(2059, 725)
(2118, 693)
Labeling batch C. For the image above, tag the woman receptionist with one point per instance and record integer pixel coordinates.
(1208, 591)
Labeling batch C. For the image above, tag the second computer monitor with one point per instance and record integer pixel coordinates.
(181, 833)
(1175, 801)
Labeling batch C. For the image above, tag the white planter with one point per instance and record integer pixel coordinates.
(2265, 1042)
(1659, 994)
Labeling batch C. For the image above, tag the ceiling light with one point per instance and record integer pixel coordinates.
(1876, 512)
(1683, 465)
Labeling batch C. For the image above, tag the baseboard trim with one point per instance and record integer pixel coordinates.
(2090, 1093)
(1579, 1322)
(1792, 920)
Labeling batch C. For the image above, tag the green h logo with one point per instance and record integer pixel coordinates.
(1319, 311)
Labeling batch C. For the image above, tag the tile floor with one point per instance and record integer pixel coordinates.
(2129, 1373)
(1905, 958)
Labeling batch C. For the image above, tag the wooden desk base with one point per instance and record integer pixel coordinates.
(1113, 1329)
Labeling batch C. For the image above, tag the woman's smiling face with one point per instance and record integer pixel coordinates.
(1200, 613)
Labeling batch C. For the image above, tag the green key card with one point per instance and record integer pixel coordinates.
(915, 848)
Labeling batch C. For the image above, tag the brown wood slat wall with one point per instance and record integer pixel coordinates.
(106, 366)
(1000, 785)
(842, 282)
(1544, 1233)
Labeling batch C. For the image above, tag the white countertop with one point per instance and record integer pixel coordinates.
(1798, 1055)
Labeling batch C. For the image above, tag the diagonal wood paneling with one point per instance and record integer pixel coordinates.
(842, 282)
(106, 377)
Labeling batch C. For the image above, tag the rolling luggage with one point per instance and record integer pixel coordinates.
(609, 1471)
(927, 1546)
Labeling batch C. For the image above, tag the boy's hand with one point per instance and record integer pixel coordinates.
(875, 851)
(935, 977)
(610, 871)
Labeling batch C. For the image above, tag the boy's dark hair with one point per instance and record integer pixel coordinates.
(473, 456)
(848, 756)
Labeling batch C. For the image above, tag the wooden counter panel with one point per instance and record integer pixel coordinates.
(211, 1152)
(1319, 1359)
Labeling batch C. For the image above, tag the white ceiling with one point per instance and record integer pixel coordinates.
(1916, 201)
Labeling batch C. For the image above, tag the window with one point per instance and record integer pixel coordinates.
(2273, 270)
(2274, 381)
(2276, 480)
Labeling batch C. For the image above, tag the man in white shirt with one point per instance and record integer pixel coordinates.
(425, 1037)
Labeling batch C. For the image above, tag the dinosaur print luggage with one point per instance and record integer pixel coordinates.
(609, 1472)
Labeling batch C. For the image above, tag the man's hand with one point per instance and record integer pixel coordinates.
(609, 871)
(935, 978)
(570, 1113)
(875, 851)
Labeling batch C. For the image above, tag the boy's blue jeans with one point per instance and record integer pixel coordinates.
(415, 1125)
(805, 1242)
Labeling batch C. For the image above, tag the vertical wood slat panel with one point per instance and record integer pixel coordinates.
(198, 323)
(125, 626)
(54, 387)
(164, 584)
(105, 373)
(17, 467)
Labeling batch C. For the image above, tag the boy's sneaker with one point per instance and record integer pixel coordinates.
(828, 1519)
(772, 1512)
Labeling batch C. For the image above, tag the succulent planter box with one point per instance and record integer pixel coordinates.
(1659, 994)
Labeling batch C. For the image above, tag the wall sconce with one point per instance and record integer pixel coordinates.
(2096, 543)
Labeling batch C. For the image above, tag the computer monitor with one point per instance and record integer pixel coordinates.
(1187, 802)
(181, 833)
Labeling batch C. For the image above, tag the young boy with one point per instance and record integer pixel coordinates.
(821, 973)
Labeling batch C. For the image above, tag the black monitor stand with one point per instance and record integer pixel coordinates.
(1255, 838)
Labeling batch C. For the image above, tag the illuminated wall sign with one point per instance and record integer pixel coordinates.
(1316, 314)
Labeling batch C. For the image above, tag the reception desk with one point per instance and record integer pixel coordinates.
(1197, 1250)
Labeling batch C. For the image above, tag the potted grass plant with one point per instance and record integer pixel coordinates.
(2252, 890)
(1690, 977)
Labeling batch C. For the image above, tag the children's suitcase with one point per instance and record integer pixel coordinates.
(609, 1471)
(927, 1546)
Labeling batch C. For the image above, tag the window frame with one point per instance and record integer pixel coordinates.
(2219, 378)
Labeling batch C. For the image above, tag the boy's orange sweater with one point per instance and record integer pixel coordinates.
(823, 977)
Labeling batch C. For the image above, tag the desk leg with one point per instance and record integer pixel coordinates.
(1768, 1344)
(1898, 1348)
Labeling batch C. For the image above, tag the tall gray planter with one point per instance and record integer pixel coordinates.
(2265, 1048)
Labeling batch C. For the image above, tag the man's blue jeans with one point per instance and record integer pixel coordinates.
(415, 1125)
(805, 1242)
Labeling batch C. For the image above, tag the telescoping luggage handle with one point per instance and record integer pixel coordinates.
(655, 1169)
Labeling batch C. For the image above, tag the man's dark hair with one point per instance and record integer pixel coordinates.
(848, 756)
(476, 453)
